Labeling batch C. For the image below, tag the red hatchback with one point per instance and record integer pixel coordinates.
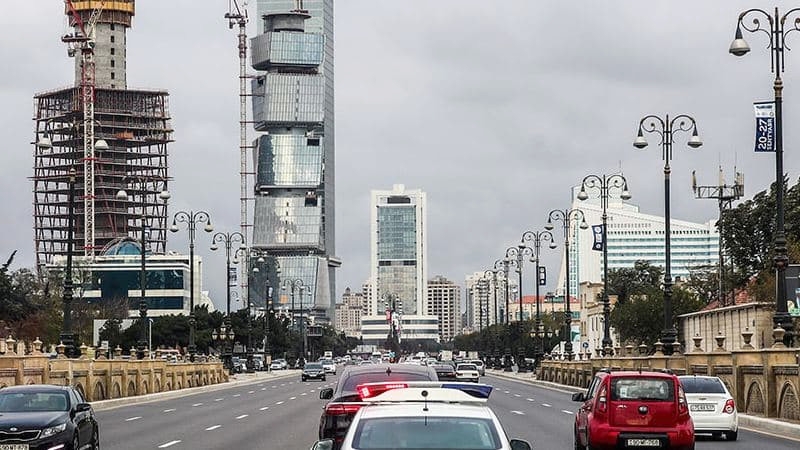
(633, 410)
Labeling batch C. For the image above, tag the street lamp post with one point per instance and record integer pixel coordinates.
(229, 240)
(536, 238)
(506, 264)
(777, 42)
(141, 182)
(67, 337)
(191, 219)
(666, 128)
(566, 217)
(515, 256)
(604, 184)
(294, 285)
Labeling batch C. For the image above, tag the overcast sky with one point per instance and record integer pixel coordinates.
(494, 108)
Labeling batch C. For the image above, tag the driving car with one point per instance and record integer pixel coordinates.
(425, 415)
(711, 406)
(345, 401)
(39, 417)
(278, 364)
(467, 372)
(313, 371)
(633, 409)
(445, 371)
(479, 364)
(328, 365)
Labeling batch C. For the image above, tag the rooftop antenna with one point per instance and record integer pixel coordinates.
(725, 196)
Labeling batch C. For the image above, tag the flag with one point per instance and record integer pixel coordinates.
(765, 126)
(597, 231)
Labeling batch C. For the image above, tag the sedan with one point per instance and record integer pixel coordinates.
(467, 372)
(39, 417)
(313, 371)
(711, 406)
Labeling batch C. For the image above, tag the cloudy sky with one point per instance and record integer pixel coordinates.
(494, 108)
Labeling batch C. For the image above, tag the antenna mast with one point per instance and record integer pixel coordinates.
(725, 196)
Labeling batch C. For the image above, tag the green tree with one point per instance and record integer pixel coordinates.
(632, 281)
(640, 320)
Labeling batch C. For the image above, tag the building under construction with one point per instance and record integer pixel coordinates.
(109, 134)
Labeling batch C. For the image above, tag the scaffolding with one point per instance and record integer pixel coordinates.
(136, 126)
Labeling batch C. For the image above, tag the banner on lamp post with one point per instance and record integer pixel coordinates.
(597, 232)
(765, 126)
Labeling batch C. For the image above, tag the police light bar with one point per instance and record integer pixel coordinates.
(424, 391)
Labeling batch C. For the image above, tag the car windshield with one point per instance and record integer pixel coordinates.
(33, 402)
(456, 433)
(351, 382)
(313, 366)
(693, 385)
(641, 388)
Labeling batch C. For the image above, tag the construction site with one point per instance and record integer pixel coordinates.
(112, 137)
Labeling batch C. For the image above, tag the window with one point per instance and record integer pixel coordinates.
(692, 385)
(112, 50)
(641, 388)
(112, 75)
(112, 63)
(112, 38)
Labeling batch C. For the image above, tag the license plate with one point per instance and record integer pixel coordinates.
(643, 443)
(701, 407)
(14, 447)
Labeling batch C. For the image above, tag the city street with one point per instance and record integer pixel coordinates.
(284, 414)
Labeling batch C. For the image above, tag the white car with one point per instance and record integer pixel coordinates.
(480, 365)
(711, 406)
(329, 366)
(420, 414)
(467, 372)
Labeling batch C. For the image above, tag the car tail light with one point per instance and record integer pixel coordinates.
(682, 407)
(371, 390)
(341, 409)
(730, 407)
(602, 401)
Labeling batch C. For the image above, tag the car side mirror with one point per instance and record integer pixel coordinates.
(578, 397)
(325, 444)
(82, 407)
(519, 444)
(326, 394)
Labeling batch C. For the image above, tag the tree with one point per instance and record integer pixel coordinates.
(632, 281)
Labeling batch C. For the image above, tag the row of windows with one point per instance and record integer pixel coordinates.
(285, 98)
(286, 48)
(288, 160)
(286, 220)
(122, 281)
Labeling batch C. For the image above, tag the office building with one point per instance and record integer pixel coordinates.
(444, 302)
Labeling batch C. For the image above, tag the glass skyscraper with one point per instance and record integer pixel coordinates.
(292, 100)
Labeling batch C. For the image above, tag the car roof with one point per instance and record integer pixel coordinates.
(35, 388)
(382, 367)
(636, 373)
(415, 409)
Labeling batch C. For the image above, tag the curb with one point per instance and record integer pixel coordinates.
(545, 384)
(104, 405)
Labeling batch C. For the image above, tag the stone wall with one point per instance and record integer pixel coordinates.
(763, 382)
(102, 378)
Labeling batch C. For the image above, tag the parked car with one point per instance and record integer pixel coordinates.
(40, 416)
(313, 371)
(258, 362)
(237, 365)
(711, 406)
(630, 409)
(345, 400)
(278, 364)
(467, 372)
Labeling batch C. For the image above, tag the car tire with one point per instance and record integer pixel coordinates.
(731, 435)
(577, 441)
(76, 442)
(304, 379)
(95, 439)
(323, 378)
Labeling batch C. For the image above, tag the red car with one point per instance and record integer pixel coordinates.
(633, 410)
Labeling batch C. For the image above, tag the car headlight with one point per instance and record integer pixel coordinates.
(53, 430)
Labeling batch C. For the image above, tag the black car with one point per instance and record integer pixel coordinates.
(445, 371)
(39, 417)
(313, 371)
(345, 401)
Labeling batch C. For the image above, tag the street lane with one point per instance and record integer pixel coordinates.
(545, 417)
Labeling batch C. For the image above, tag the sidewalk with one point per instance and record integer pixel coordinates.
(239, 379)
(756, 424)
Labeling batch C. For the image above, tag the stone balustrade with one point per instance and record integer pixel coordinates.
(103, 378)
(763, 382)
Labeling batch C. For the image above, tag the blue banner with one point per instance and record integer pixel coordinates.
(542, 276)
(597, 231)
(765, 126)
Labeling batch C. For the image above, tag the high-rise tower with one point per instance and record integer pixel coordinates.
(135, 124)
(293, 220)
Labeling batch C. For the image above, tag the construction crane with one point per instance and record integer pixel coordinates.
(725, 196)
(82, 43)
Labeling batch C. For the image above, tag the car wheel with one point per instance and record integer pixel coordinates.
(76, 443)
(304, 379)
(95, 439)
(323, 378)
(731, 435)
(577, 441)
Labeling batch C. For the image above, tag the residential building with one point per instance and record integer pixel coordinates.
(444, 301)
(485, 300)
(349, 313)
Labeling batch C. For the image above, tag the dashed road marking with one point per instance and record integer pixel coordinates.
(218, 399)
(213, 427)
(546, 405)
(169, 410)
(506, 392)
(566, 412)
(279, 403)
(529, 399)
(518, 413)
(292, 398)
(197, 404)
(131, 419)
(242, 416)
(251, 392)
(169, 444)
(517, 395)
(263, 408)
(303, 393)
(263, 389)
(237, 395)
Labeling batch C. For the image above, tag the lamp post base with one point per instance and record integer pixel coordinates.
(68, 340)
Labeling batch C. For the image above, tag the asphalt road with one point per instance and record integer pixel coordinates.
(283, 414)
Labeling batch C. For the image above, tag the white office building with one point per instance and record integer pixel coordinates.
(444, 302)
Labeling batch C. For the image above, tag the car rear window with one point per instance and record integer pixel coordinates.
(467, 367)
(642, 388)
(454, 433)
(377, 377)
(314, 366)
(692, 385)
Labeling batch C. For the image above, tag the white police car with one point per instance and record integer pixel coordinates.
(422, 414)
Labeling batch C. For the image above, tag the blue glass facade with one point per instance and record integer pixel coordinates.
(288, 160)
(287, 48)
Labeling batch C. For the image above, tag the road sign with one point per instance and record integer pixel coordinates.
(585, 345)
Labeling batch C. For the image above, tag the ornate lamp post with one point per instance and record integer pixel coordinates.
(666, 128)
(777, 42)
(604, 184)
(224, 335)
(515, 257)
(294, 285)
(506, 263)
(191, 219)
(487, 274)
(67, 337)
(536, 238)
(566, 217)
(229, 241)
(141, 183)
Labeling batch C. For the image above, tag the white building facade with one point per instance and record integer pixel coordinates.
(444, 301)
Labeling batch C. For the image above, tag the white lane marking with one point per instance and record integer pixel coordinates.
(264, 408)
(303, 393)
(566, 412)
(260, 384)
(518, 413)
(279, 403)
(273, 387)
(292, 398)
(529, 399)
(218, 399)
(264, 389)
(169, 410)
(546, 405)
(213, 427)
(169, 444)
(250, 392)
(241, 417)
(506, 392)
(237, 395)
(197, 404)
(130, 419)
(517, 395)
